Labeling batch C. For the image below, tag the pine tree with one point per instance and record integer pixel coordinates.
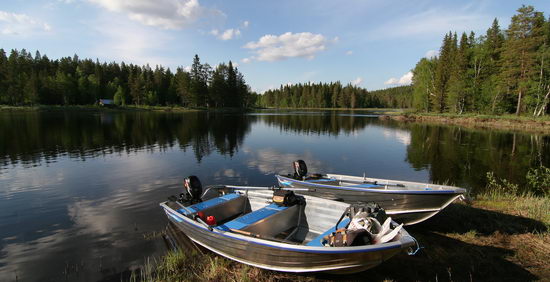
(488, 70)
(199, 83)
(524, 37)
(540, 89)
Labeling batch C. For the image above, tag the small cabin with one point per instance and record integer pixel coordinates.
(106, 102)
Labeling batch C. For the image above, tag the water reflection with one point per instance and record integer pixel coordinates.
(79, 190)
(35, 138)
(463, 157)
(320, 123)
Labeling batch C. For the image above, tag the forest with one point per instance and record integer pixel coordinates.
(334, 95)
(28, 80)
(500, 72)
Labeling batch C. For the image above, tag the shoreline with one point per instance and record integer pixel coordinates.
(507, 122)
(540, 125)
(132, 108)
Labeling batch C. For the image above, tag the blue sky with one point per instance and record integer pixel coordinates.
(373, 44)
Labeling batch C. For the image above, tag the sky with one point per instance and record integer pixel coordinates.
(371, 44)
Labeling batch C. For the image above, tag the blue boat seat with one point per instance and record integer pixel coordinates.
(253, 217)
(208, 204)
(317, 241)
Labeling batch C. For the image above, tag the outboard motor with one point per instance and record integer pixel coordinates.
(194, 188)
(300, 169)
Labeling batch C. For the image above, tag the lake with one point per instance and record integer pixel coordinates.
(79, 191)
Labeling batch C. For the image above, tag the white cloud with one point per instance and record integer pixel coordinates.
(228, 34)
(21, 24)
(406, 79)
(246, 60)
(122, 40)
(357, 81)
(349, 52)
(246, 24)
(167, 14)
(431, 54)
(288, 45)
(435, 21)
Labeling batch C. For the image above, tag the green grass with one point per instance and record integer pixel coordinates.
(526, 205)
(469, 120)
(192, 265)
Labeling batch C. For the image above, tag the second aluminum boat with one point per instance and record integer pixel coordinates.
(406, 202)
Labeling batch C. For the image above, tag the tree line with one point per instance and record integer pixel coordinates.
(329, 95)
(499, 72)
(28, 80)
(395, 97)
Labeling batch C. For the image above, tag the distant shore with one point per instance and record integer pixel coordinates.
(505, 122)
(96, 108)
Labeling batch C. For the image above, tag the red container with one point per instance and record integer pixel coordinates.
(210, 220)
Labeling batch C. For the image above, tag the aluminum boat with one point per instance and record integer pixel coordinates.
(406, 202)
(246, 225)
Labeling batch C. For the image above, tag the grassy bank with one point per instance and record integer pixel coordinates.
(507, 122)
(495, 237)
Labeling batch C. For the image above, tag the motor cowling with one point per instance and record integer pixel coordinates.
(300, 169)
(193, 187)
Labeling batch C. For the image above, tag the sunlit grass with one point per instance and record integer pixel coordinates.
(526, 205)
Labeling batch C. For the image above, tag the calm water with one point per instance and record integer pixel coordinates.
(78, 191)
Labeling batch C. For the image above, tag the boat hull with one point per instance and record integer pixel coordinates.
(287, 257)
(404, 206)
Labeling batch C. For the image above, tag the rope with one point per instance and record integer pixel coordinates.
(410, 252)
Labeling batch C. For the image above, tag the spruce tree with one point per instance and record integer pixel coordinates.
(457, 97)
(443, 72)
